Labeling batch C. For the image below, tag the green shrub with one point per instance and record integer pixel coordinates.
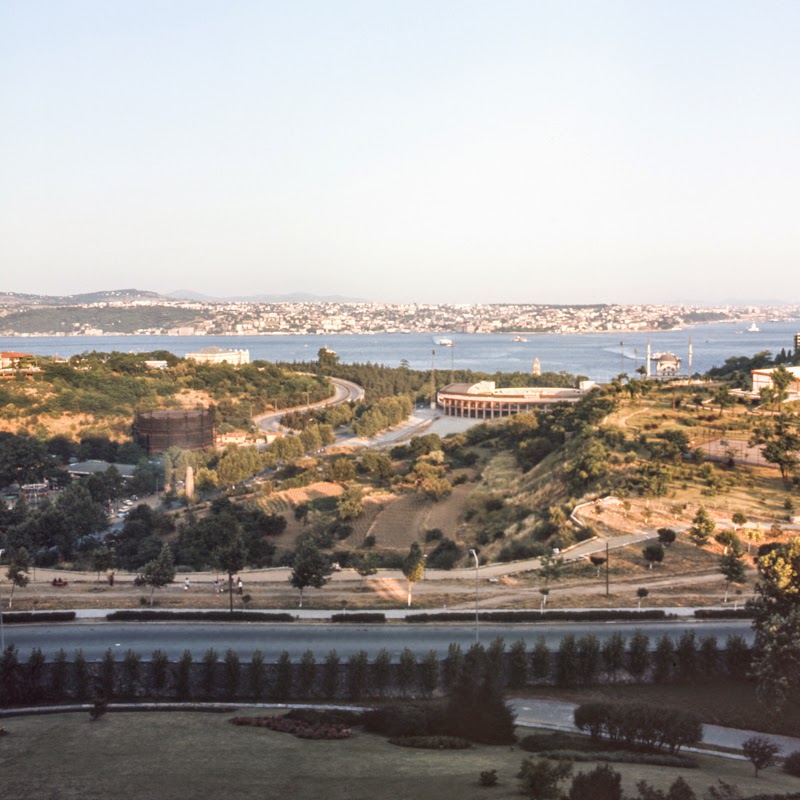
(326, 716)
(283, 678)
(621, 757)
(233, 673)
(81, 670)
(791, 764)
(601, 783)
(258, 675)
(360, 616)
(210, 661)
(189, 616)
(540, 742)
(406, 719)
(432, 742)
(357, 674)
(25, 617)
(159, 664)
(183, 676)
(488, 777)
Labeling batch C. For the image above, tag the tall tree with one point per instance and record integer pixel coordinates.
(160, 571)
(776, 649)
(17, 571)
(702, 527)
(732, 569)
(231, 557)
(413, 567)
(311, 567)
(102, 560)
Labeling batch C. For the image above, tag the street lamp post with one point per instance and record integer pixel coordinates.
(477, 619)
(2, 632)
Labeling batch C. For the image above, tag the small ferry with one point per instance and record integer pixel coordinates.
(444, 342)
(754, 328)
(519, 338)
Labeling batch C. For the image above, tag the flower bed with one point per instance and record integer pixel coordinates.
(298, 728)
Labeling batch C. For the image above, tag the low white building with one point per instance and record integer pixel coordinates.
(216, 355)
(762, 379)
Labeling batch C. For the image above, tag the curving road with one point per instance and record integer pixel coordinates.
(96, 638)
(344, 392)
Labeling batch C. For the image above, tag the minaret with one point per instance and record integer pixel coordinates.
(189, 482)
(647, 362)
(537, 367)
(433, 379)
(690, 358)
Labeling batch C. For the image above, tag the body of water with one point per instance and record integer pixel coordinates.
(599, 356)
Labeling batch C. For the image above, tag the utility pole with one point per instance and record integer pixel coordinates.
(477, 618)
(606, 568)
(452, 362)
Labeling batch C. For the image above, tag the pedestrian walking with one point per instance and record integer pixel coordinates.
(240, 585)
(186, 584)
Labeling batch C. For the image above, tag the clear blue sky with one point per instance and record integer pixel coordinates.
(423, 150)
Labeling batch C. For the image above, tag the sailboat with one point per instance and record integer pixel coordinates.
(753, 328)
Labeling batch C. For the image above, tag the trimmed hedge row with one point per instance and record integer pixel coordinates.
(10, 617)
(620, 757)
(189, 616)
(724, 613)
(598, 615)
(360, 616)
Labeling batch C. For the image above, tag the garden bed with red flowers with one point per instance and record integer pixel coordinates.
(298, 728)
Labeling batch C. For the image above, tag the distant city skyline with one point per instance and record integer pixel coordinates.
(437, 151)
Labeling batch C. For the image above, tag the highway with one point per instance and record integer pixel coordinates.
(95, 638)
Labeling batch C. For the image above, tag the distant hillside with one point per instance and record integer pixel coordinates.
(111, 296)
(76, 319)
(294, 297)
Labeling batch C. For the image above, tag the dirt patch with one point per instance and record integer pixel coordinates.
(447, 513)
(401, 522)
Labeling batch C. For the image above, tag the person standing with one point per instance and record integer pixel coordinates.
(186, 584)
(240, 585)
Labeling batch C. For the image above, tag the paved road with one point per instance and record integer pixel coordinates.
(344, 392)
(95, 637)
(558, 714)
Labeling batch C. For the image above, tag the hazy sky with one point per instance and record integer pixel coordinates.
(410, 150)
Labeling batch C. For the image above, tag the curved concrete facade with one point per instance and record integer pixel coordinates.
(484, 401)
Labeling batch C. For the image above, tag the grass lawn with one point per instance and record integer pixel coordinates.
(187, 755)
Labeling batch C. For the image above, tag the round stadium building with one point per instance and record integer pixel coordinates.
(484, 401)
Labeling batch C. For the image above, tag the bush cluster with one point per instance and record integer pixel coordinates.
(638, 725)
(432, 742)
(298, 728)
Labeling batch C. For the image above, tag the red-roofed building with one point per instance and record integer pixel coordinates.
(11, 360)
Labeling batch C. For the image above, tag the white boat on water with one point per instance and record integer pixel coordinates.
(754, 328)
(444, 342)
(519, 339)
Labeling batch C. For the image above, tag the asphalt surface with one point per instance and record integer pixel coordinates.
(94, 638)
